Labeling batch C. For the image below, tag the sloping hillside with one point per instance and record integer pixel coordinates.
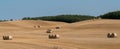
(90, 34)
(27, 24)
(96, 24)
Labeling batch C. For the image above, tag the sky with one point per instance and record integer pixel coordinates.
(17, 9)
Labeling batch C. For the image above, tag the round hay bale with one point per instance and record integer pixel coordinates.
(49, 31)
(38, 26)
(114, 35)
(53, 36)
(7, 37)
(57, 27)
(34, 26)
(57, 36)
(111, 35)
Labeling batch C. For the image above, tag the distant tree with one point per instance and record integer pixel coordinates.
(3, 20)
(11, 19)
(26, 18)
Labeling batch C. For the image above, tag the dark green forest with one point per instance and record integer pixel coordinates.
(111, 15)
(72, 18)
(62, 18)
(75, 18)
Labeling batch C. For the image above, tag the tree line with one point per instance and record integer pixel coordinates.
(6, 20)
(62, 18)
(73, 18)
(111, 15)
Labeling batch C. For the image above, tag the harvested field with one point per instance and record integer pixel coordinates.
(80, 35)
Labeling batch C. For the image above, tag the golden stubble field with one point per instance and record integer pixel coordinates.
(87, 34)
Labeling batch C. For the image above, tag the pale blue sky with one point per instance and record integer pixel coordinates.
(16, 9)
